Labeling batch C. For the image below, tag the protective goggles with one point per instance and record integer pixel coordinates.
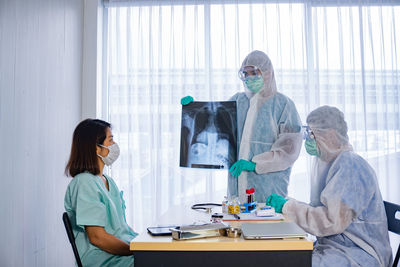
(307, 133)
(249, 72)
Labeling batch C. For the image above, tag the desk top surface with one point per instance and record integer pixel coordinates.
(147, 242)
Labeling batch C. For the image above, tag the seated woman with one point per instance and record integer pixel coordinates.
(93, 201)
(346, 212)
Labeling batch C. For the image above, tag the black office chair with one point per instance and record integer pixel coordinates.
(71, 238)
(393, 224)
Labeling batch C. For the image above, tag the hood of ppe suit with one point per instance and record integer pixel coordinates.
(260, 60)
(330, 131)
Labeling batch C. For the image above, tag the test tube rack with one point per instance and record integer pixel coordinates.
(249, 207)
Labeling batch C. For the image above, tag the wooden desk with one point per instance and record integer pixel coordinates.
(219, 251)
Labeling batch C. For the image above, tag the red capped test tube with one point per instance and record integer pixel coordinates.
(252, 194)
(248, 195)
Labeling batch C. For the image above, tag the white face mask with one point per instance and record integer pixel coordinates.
(113, 154)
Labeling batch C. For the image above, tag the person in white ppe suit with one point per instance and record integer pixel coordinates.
(346, 212)
(269, 132)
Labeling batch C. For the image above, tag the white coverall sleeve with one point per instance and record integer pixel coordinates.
(283, 154)
(286, 148)
(320, 221)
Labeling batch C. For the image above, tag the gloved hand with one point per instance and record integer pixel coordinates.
(186, 100)
(242, 165)
(277, 202)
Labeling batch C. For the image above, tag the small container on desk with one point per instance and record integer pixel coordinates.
(217, 218)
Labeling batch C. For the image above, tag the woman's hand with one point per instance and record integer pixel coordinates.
(107, 242)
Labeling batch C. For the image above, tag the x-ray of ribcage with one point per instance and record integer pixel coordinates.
(209, 135)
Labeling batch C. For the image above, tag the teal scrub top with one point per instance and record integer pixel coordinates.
(88, 202)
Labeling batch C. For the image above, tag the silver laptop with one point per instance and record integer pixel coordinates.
(272, 230)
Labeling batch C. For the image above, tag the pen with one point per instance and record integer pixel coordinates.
(236, 216)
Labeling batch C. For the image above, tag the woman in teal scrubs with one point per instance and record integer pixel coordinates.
(93, 201)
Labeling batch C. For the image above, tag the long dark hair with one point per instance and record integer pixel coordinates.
(83, 156)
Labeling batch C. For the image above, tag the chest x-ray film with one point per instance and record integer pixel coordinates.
(209, 135)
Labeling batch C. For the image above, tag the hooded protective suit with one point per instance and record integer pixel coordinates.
(346, 212)
(269, 132)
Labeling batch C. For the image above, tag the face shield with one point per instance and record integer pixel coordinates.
(308, 133)
(249, 73)
(310, 143)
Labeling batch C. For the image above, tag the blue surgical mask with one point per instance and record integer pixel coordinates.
(254, 84)
(311, 147)
(113, 154)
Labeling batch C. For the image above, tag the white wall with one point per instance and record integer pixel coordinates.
(40, 104)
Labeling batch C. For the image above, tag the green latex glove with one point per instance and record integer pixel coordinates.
(186, 100)
(242, 165)
(277, 202)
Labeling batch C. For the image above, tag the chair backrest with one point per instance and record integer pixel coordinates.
(393, 224)
(71, 238)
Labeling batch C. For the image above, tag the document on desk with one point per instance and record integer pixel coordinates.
(252, 217)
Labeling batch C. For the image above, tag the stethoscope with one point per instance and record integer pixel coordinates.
(207, 207)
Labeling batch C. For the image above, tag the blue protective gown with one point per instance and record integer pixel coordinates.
(348, 218)
(88, 202)
(274, 144)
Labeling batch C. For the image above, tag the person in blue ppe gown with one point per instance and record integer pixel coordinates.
(93, 202)
(346, 211)
(269, 132)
